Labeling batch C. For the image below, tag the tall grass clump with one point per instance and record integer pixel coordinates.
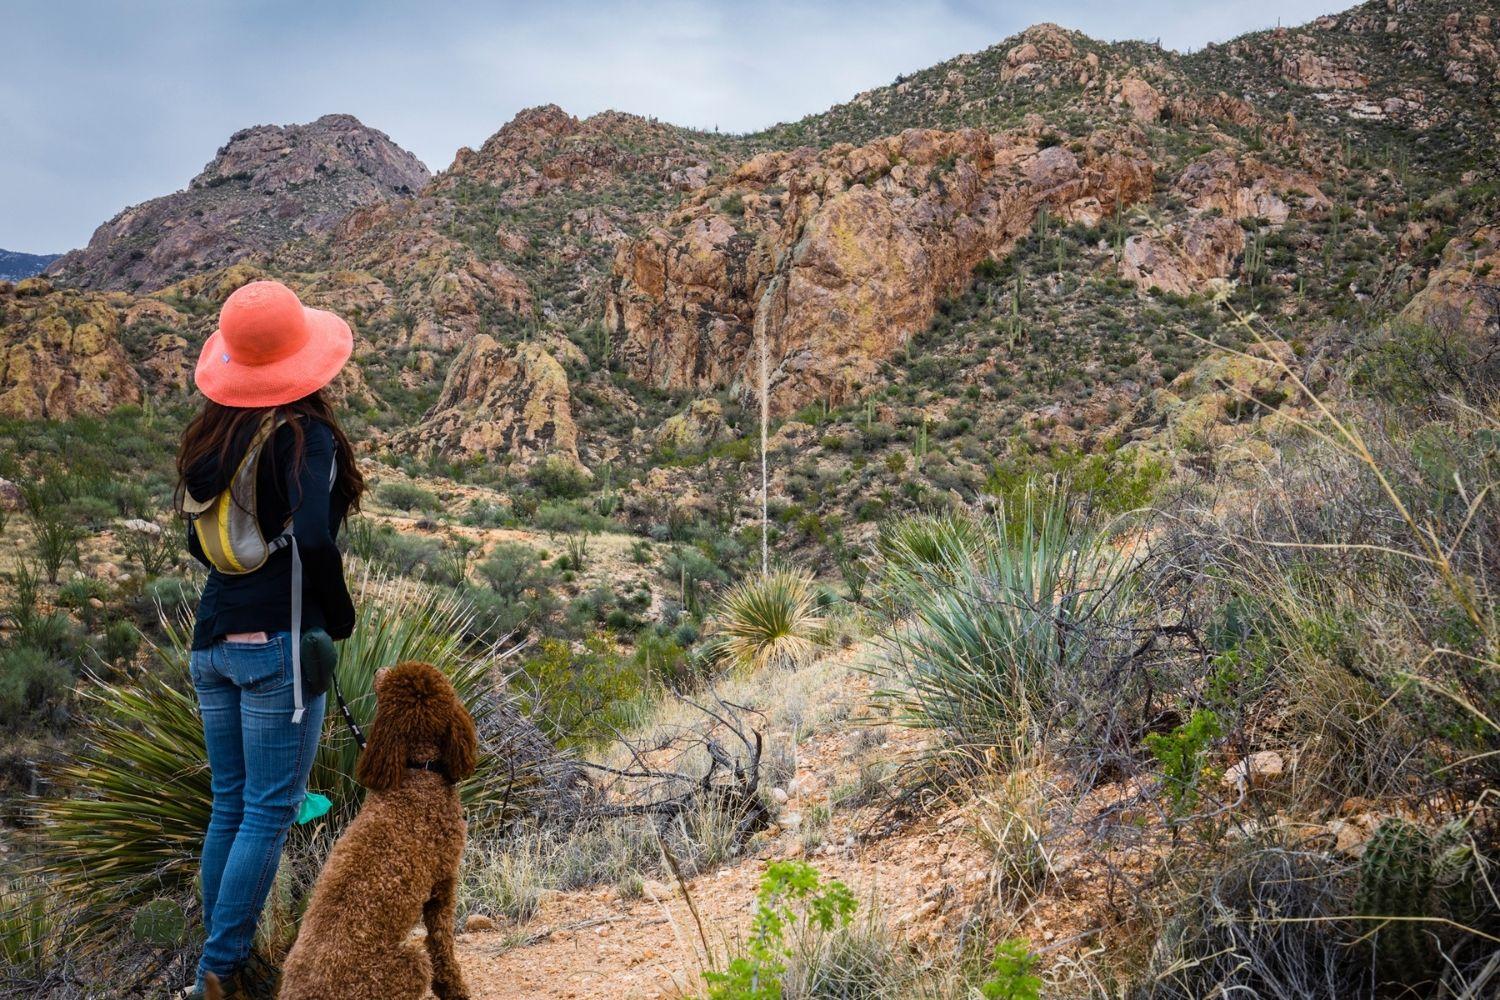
(768, 620)
(130, 829)
(993, 634)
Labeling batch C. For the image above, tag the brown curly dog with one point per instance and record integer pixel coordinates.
(398, 861)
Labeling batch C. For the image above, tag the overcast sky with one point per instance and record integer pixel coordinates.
(103, 105)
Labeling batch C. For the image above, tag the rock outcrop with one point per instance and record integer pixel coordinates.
(695, 428)
(837, 257)
(398, 260)
(267, 185)
(60, 353)
(506, 402)
(1463, 292)
(1242, 187)
(1186, 258)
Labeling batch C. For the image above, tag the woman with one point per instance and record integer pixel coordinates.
(266, 367)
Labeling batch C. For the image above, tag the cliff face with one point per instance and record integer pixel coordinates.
(267, 185)
(839, 257)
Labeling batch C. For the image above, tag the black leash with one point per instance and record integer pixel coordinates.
(354, 730)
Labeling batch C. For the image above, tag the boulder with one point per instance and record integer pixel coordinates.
(1256, 771)
(694, 429)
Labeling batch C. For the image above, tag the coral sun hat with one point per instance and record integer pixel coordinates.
(270, 349)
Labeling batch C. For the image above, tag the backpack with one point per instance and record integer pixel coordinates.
(228, 530)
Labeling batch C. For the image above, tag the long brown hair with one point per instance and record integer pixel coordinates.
(218, 429)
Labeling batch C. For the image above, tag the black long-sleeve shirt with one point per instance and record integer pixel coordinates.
(261, 601)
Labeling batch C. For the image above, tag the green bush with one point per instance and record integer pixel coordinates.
(769, 620)
(55, 539)
(559, 479)
(515, 572)
(794, 903)
(564, 517)
(408, 497)
(973, 626)
(31, 684)
(580, 694)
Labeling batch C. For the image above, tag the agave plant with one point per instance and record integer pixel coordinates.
(133, 826)
(992, 631)
(771, 619)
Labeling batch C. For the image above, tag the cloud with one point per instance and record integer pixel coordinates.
(104, 105)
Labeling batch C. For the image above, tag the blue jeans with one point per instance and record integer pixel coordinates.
(260, 763)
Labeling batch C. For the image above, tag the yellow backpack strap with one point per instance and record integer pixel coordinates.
(218, 523)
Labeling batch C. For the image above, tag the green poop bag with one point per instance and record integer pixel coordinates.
(313, 806)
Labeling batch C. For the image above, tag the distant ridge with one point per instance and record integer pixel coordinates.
(15, 265)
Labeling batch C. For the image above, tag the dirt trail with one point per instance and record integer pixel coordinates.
(593, 943)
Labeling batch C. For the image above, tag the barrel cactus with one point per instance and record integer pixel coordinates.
(1410, 872)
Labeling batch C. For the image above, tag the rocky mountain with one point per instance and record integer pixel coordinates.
(266, 186)
(15, 266)
(1032, 241)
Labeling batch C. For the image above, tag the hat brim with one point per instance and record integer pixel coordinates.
(231, 383)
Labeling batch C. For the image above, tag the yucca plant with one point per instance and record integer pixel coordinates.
(133, 825)
(990, 636)
(916, 547)
(767, 620)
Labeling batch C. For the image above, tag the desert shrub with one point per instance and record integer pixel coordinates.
(120, 641)
(1217, 940)
(581, 694)
(1369, 564)
(153, 551)
(515, 572)
(1096, 484)
(407, 496)
(401, 553)
(928, 543)
(55, 538)
(979, 659)
(484, 514)
(32, 684)
(505, 878)
(28, 932)
(795, 910)
(662, 659)
(559, 479)
(562, 517)
(770, 620)
(1414, 365)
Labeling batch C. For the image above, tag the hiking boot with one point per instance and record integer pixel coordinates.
(256, 979)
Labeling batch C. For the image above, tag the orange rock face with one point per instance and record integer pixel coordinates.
(838, 256)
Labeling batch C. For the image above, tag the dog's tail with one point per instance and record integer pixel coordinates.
(211, 988)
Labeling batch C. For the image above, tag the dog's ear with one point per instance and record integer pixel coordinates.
(383, 761)
(460, 743)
